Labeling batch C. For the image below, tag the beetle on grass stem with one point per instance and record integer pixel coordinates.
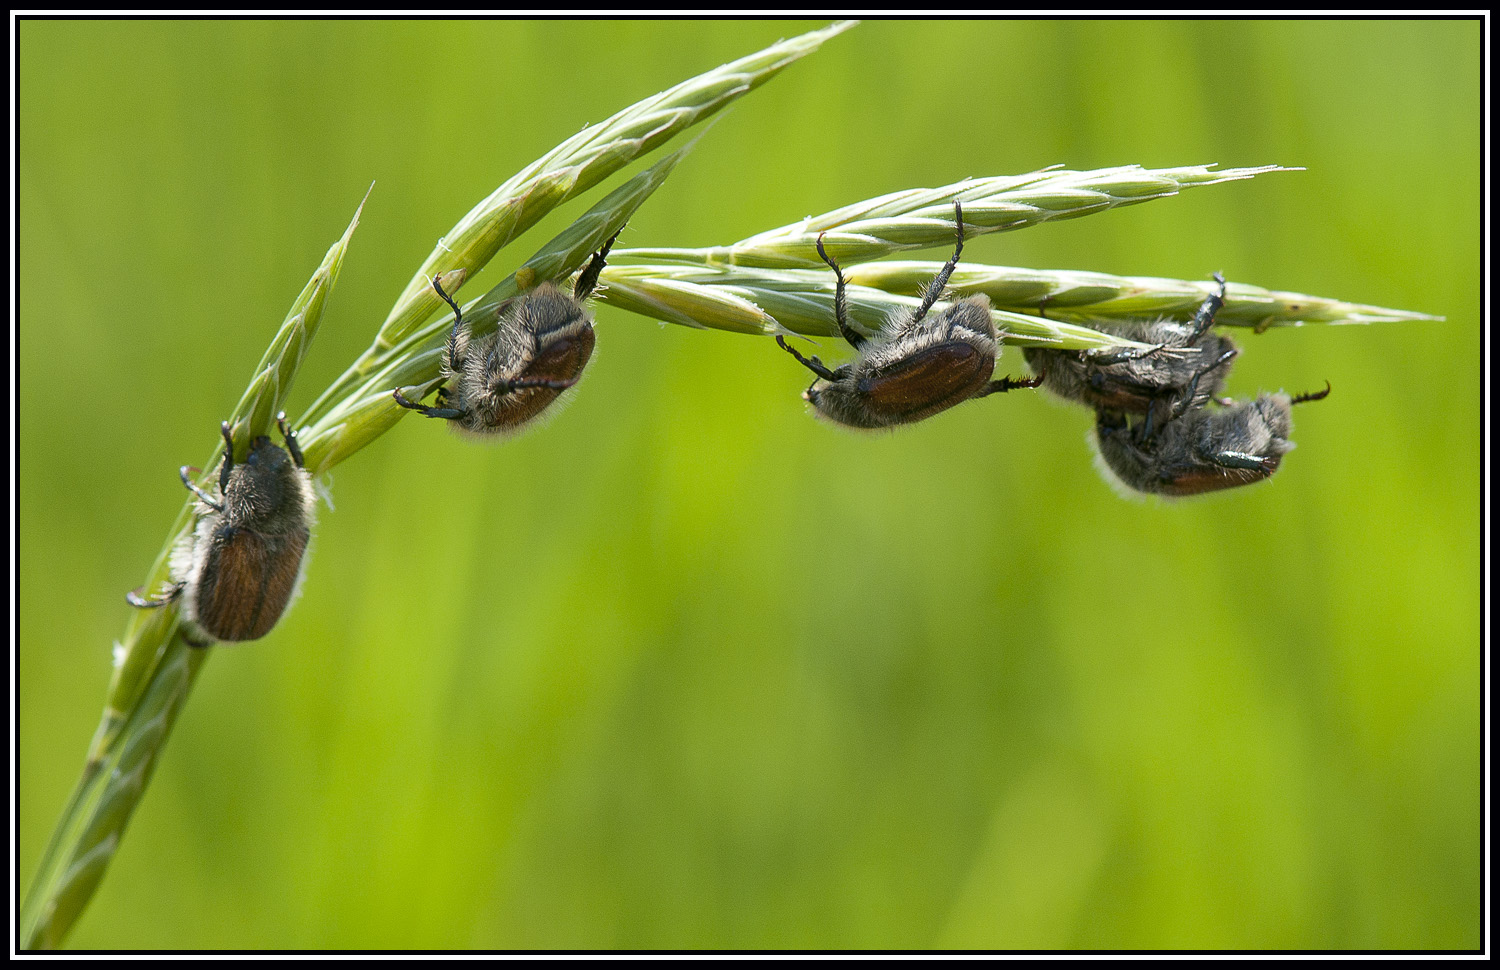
(542, 341)
(1201, 450)
(1133, 379)
(241, 566)
(917, 365)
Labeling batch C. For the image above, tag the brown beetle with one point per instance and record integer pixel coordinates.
(241, 566)
(917, 365)
(541, 344)
(1199, 450)
(1131, 379)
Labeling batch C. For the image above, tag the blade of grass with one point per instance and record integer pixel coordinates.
(148, 684)
(153, 666)
(112, 784)
(923, 218)
(1085, 297)
(264, 396)
(759, 301)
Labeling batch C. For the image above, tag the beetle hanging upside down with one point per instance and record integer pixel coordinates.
(1200, 450)
(1132, 379)
(918, 365)
(499, 383)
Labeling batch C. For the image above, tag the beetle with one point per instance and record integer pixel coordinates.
(1201, 449)
(242, 564)
(1132, 379)
(543, 340)
(917, 365)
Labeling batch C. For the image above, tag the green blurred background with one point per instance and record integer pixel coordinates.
(686, 668)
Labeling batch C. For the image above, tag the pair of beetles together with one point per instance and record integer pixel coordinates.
(240, 567)
(1153, 429)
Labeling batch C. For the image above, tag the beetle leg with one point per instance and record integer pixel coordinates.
(1121, 356)
(290, 436)
(1010, 384)
(815, 365)
(449, 413)
(589, 278)
(940, 281)
(207, 499)
(1190, 393)
(458, 320)
(134, 597)
(840, 299)
(224, 469)
(1148, 427)
(1208, 309)
(1314, 395)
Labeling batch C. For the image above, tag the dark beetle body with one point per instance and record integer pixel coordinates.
(543, 335)
(913, 370)
(543, 339)
(917, 365)
(1099, 381)
(1186, 360)
(1204, 450)
(242, 564)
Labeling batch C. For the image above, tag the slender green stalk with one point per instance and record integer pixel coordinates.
(776, 282)
(763, 301)
(923, 218)
(264, 396)
(796, 301)
(1086, 297)
(95, 818)
(154, 667)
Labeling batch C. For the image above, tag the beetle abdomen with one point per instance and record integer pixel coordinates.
(246, 582)
(564, 358)
(926, 382)
(1200, 479)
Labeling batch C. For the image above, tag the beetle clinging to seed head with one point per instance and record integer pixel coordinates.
(1200, 450)
(1132, 379)
(918, 365)
(240, 567)
(542, 341)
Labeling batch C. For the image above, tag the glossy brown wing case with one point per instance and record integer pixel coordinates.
(248, 579)
(927, 382)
